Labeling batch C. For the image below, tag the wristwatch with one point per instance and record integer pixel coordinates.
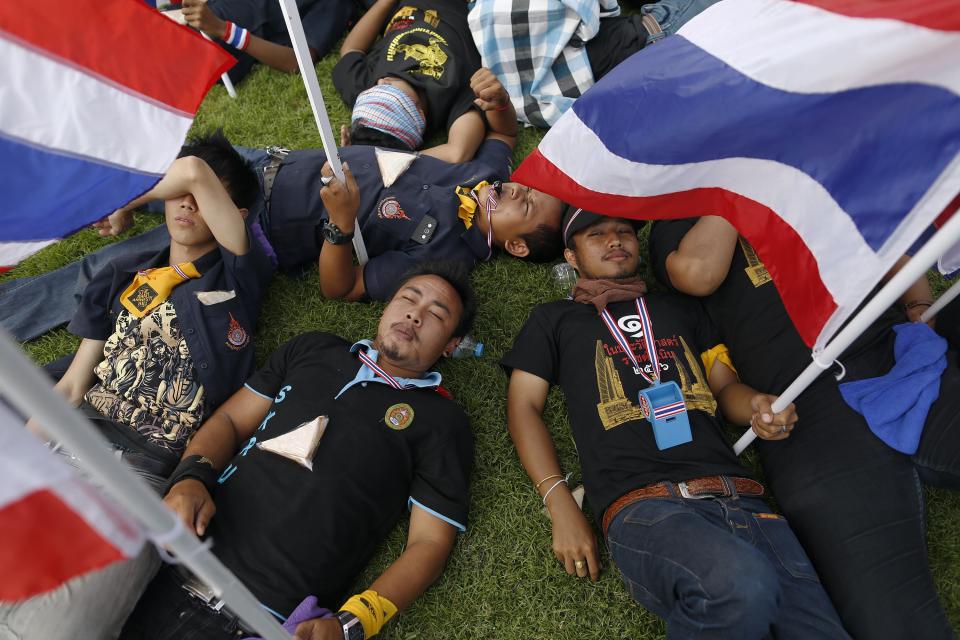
(333, 235)
(352, 629)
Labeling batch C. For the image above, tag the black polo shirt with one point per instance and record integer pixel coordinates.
(566, 343)
(219, 334)
(428, 45)
(288, 532)
(393, 220)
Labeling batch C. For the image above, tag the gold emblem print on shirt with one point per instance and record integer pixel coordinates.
(430, 56)
(614, 409)
(755, 269)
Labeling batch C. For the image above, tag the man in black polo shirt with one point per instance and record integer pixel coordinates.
(854, 501)
(693, 539)
(166, 337)
(313, 462)
(423, 76)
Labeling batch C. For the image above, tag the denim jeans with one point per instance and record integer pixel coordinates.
(720, 568)
(32, 306)
(673, 14)
(167, 612)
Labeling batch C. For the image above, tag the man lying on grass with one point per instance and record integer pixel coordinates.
(310, 466)
(688, 529)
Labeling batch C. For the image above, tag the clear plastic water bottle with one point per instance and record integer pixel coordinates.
(468, 348)
(565, 276)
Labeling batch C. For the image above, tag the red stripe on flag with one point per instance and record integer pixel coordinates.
(791, 264)
(947, 212)
(45, 543)
(124, 41)
(942, 15)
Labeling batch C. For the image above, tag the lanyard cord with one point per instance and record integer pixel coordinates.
(650, 342)
(390, 380)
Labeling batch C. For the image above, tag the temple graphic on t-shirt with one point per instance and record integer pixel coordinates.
(615, 408)
(755, 269)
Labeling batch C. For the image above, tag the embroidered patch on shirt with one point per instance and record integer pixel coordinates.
(399, 416)
(389, 209)
(237, 336)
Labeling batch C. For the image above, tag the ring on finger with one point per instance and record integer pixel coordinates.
(783, 429)
(325, 180)
(578, 564)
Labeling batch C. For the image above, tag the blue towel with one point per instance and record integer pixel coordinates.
(896, 405)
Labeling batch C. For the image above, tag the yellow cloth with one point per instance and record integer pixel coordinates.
(372, 609)
(468, 206)
(151, 287)
(719, 352)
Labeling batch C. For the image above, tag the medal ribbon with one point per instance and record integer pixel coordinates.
(390, 380)
(647, 327)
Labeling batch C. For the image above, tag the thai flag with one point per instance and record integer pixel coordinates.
(826, 131)
(96, 97)
(53, 525)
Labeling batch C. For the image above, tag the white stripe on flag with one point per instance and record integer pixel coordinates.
(13, 252)
(777, 42)
(847, 264)
(99, 121)
(26, 466)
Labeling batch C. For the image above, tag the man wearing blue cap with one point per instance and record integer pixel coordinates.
(422, 77)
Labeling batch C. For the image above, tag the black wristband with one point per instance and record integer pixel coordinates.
(198, 467)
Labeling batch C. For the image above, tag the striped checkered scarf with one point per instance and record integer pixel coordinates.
(388, 109)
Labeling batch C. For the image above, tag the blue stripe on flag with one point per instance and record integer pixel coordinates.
(49, 195)
(876, 150)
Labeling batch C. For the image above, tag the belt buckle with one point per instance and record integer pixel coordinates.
(685, 492)
(278, 152)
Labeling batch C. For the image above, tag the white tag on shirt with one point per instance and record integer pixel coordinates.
(215, 297)
(393, 164)
(299, 444)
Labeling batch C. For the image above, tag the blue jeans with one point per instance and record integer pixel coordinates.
(720, 568)
(673, 14)
(32, 306)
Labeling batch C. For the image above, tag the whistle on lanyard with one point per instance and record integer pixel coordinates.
(662, 405)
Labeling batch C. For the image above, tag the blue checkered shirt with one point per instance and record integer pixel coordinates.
(536, 49)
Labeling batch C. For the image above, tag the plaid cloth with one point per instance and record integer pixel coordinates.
(536, 49)
(388, 109)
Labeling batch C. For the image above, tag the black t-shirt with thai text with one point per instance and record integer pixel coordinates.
(749, 314)
(287, 531)
(566, 343)
(428, 45)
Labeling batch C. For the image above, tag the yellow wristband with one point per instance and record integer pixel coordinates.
(372, 609)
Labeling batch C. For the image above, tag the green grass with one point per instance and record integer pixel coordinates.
(502, 581)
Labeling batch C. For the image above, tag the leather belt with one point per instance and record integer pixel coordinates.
(650, 24)
(277, 156)
(696, 489)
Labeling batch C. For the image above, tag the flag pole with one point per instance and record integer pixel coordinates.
(941, 302)
(224, 78)
(309, 74)
(27, 389)
(917, 266)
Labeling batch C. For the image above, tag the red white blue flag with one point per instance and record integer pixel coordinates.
(53, 525)
(96, 98)
(826, 131)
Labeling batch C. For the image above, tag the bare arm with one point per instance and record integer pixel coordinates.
(365, 32)
(339, 277)
(469, 130)
(744, 405)
(198, 15)
(217, 440)
(573, 540)
(701, 262)
(80, 374)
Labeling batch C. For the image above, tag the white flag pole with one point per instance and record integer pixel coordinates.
(917, 266)
(309, 73)
(941, 302)
(224, 78)
(27, 389)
